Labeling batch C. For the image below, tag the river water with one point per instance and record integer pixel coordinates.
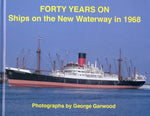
(128, 102)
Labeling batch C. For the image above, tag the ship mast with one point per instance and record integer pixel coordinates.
(38, 57)
(120, 59)
(17, 63)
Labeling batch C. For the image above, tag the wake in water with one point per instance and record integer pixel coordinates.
(145, 87)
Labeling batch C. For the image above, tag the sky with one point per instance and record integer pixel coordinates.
(98, 40)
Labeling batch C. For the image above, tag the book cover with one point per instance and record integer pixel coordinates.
(75, 57)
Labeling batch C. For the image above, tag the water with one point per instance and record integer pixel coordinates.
(129, 102)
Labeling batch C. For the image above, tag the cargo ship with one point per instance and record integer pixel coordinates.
(74, 75)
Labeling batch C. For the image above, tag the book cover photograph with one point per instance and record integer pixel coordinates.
(75, 58)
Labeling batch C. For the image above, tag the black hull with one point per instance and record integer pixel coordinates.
(16, 75)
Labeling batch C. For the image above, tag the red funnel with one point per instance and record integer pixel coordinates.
(82, 59)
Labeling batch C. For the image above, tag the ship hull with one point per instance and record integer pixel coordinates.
(26, 83)
(22, 79)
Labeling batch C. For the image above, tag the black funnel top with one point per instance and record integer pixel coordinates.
(82, 55)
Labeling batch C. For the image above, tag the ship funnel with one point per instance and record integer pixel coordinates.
(82, 59)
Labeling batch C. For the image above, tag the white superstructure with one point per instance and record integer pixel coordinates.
(74, 71)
